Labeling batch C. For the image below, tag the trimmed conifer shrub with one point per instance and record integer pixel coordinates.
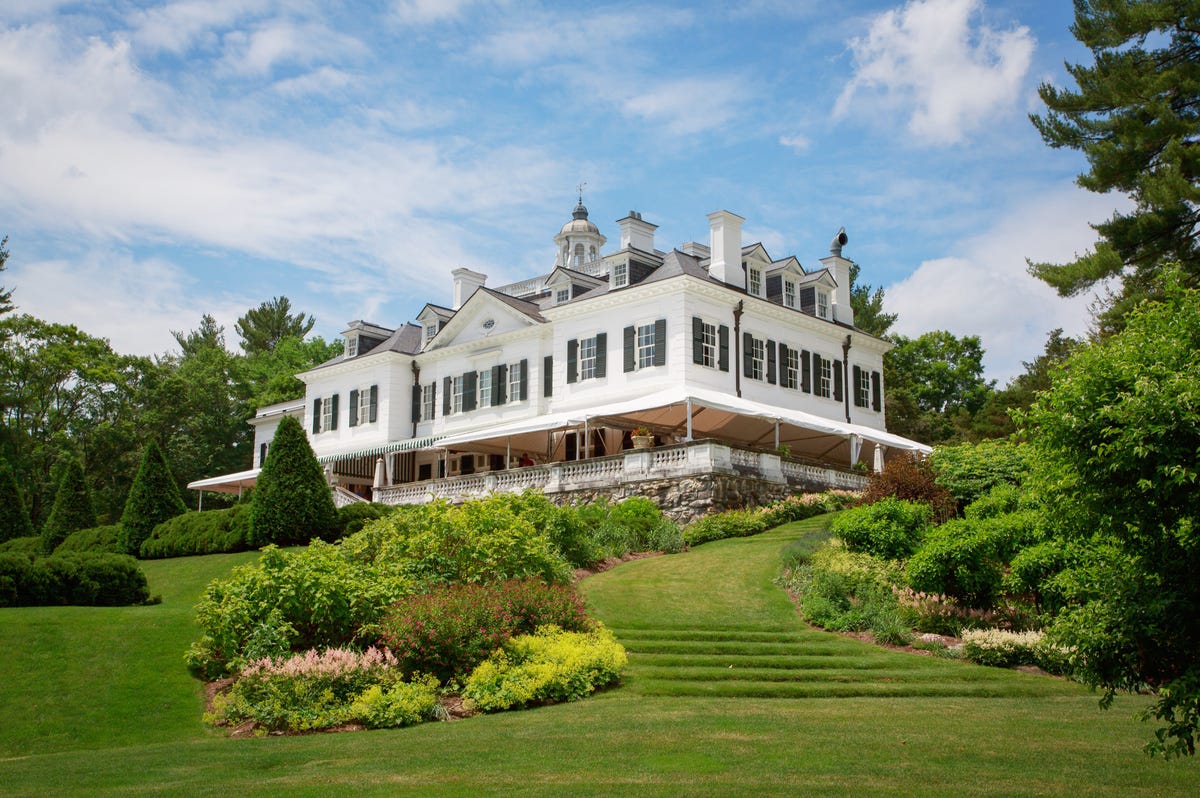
(292, 501)
(154, 498)
(14, 518)
(72, 508)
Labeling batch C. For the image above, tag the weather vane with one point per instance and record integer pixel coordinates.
(580, 188)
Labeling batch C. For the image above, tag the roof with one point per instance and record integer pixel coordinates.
(530, 309)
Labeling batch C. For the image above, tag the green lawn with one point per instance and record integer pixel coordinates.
(727, 694)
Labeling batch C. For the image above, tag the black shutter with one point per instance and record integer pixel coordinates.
(524, 379)
(660, 342)
(333, 414)
(816, 374)
(446, 388)
(354, 408)
(783, 363)
(837, 380)
(433, 390)
(316, 425)
(500, 384)
(876, 392)
(723, 348)
(630, 335)
(262, 454)
(573, 360)
(770, 361)
(747, 357)
(548, 375)
(373, 413)
(697, 339)
(855, 373)
(470, 396)
(416, 403)
(805, 371)
(601, 354)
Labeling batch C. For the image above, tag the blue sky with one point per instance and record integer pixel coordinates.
(161, 160)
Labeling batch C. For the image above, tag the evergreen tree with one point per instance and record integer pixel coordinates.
(867, 303)
(14, 519)
(263, 327)
(1136, 117)
(72, 508)
(292, 501)
(5, 296)
(153, 499)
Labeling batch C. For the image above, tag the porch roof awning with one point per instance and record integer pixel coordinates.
(227, 483)
(407, 445)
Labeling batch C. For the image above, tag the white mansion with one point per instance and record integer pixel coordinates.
(722, 360)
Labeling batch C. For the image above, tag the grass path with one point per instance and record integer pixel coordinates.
(96, 702)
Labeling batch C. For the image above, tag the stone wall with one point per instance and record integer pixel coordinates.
(684, 499)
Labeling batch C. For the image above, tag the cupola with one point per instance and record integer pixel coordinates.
(579, 241)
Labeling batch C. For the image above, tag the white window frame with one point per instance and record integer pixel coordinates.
(758, 358)
(587, 358)
(562, 295)
(709, 345)
(789, 293)
(862, 391)
(428, 401)
(484, 382)
(645, 346)
(620, 272)
(754, 281)
(351, 346)
(456, 394)
(791, 370)
(822, 304)
(514, 382)
(364, 405)
(431, 330)
(326, 413)
(825, 379)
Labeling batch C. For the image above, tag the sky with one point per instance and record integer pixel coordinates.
(163, 160)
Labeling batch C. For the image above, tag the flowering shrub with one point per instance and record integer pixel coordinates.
(942, 615)
(450, 629)
(743, 523)
(890, 528)
(806, 505)
(323, 689)
(548, 666)
(1001, 648)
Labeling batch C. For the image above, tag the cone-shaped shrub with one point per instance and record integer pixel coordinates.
(292, 501)
(154, 498)
(72, 508)
(14, 518)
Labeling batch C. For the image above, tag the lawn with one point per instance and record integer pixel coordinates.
(727, 694)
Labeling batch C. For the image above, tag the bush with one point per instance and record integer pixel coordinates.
(353, 517)
(942, 615)
(548, 666)
(889, 528)
(846, 591)
(1035, 574)
(203, 532)
(997, 501)
(292, 502)
(153, 498)
(910, 479)
(29, 545)
(14, 518)
(962, 559)
(72, 507)
(807, 505)
(100, 580)
(322, 690)
(728, 524)
(970, 470)
(98, 539)
(1002, 649)
(451, 629)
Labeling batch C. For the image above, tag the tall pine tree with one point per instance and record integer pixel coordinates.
(72, 508)
(153, 499)
(14, 518)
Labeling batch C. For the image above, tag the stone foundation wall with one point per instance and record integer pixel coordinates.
(684, 499)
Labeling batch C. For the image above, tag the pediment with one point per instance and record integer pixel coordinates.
(486, 315)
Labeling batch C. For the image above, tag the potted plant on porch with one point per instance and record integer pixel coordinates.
(642, 438)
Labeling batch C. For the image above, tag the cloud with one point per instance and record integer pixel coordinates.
(929, 57)
(426, 12)
(688, 105)
(285, 42)
(176, 27)
(797, 143)
(325, 80)
(981, 287)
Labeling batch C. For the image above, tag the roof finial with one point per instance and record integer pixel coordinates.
(580, 189)
(580, 211)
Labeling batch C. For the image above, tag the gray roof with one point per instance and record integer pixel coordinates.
(530, 309)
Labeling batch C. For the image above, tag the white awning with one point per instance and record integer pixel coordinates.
(407, 445)
(228, 483)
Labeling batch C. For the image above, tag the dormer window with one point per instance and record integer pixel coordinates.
(430, 330)
(351, 346)
(620, 275)
(562, 295)
(755, 282)
(789, 294)
(823, 304)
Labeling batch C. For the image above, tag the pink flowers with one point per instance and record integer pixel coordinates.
(332, 662)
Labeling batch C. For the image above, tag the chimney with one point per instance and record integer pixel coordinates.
(636, 233)
(839, 267)
(466, 282)
(725, 242)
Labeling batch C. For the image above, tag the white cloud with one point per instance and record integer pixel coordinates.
(425, 12)
(324, 80)
(285, 42)
(981, 286)
(689, 105)
(797, 143)
(175, 27)
(929, 57)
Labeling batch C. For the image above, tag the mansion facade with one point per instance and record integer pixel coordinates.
(612, 369)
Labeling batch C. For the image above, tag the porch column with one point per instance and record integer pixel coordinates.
(689, 419)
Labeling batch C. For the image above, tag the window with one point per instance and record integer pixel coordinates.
(428, 399)
(823, 304)
(328, 414)
(620, 275)
(862, 387)
(456, 395)
(430, 331)
(515, 377)
(485, 388)
(708, 344)
(562, 295)
(645, 346)
(591, 253)
(579, 254)
(757, 356)
(789, 294)
(791, 369)
(363, 403)
(755, 281)
(352, 346)
(587, 358)
(824, 377)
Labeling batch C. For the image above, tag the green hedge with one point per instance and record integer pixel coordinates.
(26, 545)
(101, 580)
(100, 539)
(743, 523)
(206, 532)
